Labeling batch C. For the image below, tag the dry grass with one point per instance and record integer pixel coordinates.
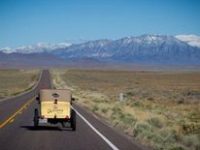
(13, 82)
(160, 109)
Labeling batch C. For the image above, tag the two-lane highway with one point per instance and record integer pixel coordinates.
(17, 131)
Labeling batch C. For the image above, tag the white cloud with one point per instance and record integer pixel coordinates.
(191, 39)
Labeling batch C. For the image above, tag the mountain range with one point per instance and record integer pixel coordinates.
(144, 49)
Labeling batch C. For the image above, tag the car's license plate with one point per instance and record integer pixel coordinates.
(42, 120)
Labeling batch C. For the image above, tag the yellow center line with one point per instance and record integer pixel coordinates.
(16, 113)
(11, 120)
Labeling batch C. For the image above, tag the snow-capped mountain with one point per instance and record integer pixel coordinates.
(88, 49)
(37, 48)
(144, 49)
(192, 40)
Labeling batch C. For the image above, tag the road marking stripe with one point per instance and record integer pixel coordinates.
(16, 113)
(20, 112)
(96, 131)
(11, 120)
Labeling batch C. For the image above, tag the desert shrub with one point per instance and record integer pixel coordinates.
(121, 119)
(116, 110)
(95, 108)
(150, 107)
(160, 139)
(191, 93)
(155, 122)
(128, 119)
(168, 136)
(189, 128)
(191, 141)
(150, 98)
(145, 94)
(34, 77)
(96, 100)
(136, 104)
(180, 100)
(141, 128)
(104, 110)
(145, 132)
(130, 94)
(177, 147)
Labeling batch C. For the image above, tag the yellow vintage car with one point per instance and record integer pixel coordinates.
(55, 107)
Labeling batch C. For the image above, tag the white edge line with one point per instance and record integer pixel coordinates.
(96, 131)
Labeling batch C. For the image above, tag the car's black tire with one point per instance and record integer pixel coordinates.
(73, 120)
(36, 118)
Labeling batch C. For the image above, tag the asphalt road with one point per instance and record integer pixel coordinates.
(17, 131)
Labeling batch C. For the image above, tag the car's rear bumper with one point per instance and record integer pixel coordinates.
(54, 120)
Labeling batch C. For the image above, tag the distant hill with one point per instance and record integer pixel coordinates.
(145, 49)
(19, 60)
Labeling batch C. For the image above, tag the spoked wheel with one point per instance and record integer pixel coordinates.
(73, 120)
(36, 118)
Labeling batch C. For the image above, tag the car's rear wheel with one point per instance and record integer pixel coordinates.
(73, 120)
(36, 118)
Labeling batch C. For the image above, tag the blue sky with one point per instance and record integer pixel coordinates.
(24, 22)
